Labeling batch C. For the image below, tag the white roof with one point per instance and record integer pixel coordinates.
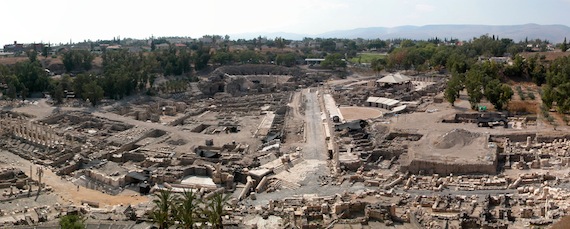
(391, 102)
(372, 99)
(399, 108)
(394, 78)
(382, 100)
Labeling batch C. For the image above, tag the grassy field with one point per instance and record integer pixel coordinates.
(367, 57)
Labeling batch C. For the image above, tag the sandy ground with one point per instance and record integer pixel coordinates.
(425, 122)
(269, 223)
(355, 113)
(299, 172)
(66, 191)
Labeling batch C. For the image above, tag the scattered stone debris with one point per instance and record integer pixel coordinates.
(287, 155)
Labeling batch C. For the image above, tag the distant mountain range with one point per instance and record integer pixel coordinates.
(552, 33)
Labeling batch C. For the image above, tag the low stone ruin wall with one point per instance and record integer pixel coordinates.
(74, 166)
(436, 167)
(516, 137)
(118, 181)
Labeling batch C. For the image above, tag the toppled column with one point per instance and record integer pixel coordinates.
(516, 184)
(395, 182)
(438, 188)
(246, 189)
(261, 186)
(212, 194)
(409, 182)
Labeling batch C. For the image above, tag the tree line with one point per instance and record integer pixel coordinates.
(24, 78)
(188, 209)
(480, 80)
(124, 73)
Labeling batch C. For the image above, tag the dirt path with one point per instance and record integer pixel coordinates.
(67, 191)
(296, 106)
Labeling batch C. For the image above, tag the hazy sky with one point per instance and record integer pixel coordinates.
(61, 20)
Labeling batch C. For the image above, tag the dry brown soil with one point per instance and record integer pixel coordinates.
(354, 113)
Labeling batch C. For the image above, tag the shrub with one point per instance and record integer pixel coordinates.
(72, 222)
(520, 92)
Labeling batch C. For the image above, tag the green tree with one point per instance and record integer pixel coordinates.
(187, 210)
(31, 75)
(45, 51)
(215, 209)
(58, 94)
(172, 61)
(333, 61)
(407, 43)
(474, 86)
(517, 69)
(547, 98)
(557, 88)
(222, 57)
(248, 57)
(377, 44)
(457, 62)
(72, 222)
(564, 45)
(201, 58)
(328, 45)
(163, 207)
(498, 94)
(125, 73)
(32, 56)
(280, 42)
(78, 60)
(93, 92)
(378, 65)
(397, 59)
(287, 59)
(78, 82)
(439, 57)
(13, 86)
(561, 96)
(453, 88)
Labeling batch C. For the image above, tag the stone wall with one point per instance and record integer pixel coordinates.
(118, 181)
(436, 167)
(515, 137)
(74, 166)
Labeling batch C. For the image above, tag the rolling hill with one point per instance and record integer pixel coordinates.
(552, 33)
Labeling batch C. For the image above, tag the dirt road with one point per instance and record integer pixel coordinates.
(67, 191)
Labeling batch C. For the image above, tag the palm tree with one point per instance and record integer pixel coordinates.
(187, 209)
(214, 209)
(161, 213)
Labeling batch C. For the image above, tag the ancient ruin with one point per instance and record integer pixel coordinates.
(292, 151)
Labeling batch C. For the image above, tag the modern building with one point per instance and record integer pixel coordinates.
(396, 81)
(384, 103)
